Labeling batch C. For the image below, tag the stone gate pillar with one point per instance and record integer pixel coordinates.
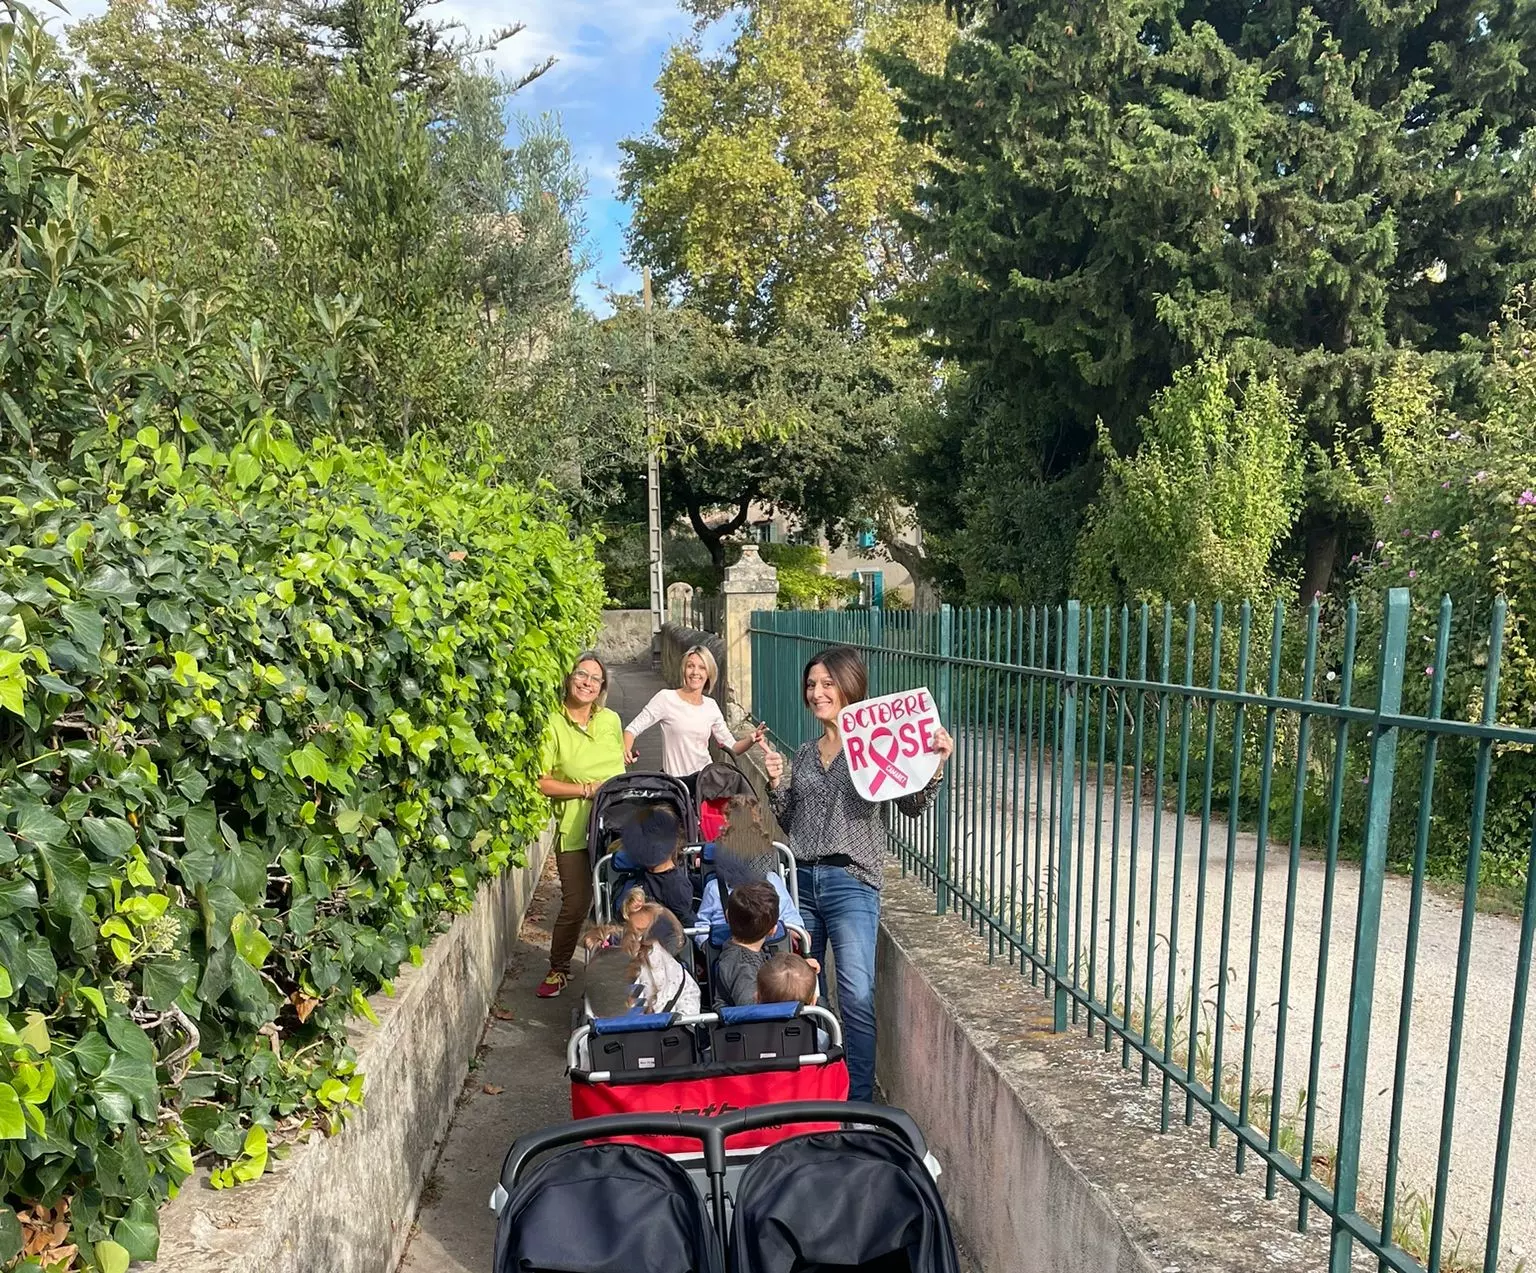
(679, 602)
(750, 585)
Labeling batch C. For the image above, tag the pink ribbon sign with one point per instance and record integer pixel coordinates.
(889, 743)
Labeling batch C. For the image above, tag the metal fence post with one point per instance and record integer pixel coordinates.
(1373, 865)
(1065, 761)
(941, 691)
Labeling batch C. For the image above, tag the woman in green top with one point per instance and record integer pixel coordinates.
(583, 748)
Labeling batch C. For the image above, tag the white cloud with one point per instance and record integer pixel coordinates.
(579, 34)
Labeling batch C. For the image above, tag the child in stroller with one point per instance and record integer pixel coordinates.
(791, 978)
(652, 939)
(753, 914)
(651, 845)
(743, 855)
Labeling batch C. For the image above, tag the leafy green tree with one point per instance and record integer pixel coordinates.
(796, 422)
(768, 188)
(366, 240)
(1122, 189)
(1201, 507)
(766, 200)
(1450, 497)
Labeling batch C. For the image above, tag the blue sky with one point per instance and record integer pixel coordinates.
(602, 87)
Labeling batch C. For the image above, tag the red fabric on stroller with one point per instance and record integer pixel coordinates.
(717, 783)
(712, 819)
(715, 1095)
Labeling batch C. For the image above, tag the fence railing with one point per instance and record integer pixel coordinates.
(1187, 846)
(702, 612)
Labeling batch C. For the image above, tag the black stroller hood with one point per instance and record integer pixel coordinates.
(721, 780)
(894, 1221)
(618, 799)
(606, 1209)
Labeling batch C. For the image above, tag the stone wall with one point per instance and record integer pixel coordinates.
(345, 1204)
(625, 636)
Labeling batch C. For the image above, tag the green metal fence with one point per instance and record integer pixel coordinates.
(1168, 836)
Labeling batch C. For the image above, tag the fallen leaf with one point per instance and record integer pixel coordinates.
(303, 1005)
(501, 1014)
(490, 1089)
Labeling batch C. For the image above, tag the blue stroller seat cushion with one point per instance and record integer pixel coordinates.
(634, 1021)
(759, 1012)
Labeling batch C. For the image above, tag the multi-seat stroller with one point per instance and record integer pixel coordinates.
(711, 1064)
(619, 799)
(858, 1197)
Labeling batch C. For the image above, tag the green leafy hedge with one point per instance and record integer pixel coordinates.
(266, 717)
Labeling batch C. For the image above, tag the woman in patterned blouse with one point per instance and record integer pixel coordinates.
(840, 843)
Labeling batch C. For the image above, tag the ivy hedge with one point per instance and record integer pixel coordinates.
(267, 716)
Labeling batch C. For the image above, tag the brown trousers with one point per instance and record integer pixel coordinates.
(575, 903)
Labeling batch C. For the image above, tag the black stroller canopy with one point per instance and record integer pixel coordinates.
(606, 1209)
(889, 1218)
(720, 781)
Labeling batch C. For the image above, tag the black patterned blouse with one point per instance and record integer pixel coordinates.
(824, 814)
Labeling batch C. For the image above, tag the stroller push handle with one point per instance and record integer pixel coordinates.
(711, 1133)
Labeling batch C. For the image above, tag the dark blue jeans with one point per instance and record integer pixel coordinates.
(846, 912)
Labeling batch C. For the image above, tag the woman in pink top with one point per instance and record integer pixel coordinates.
(689, 718)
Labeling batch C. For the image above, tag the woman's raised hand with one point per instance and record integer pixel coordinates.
(631, 757)
(773, 763)
(943, 744)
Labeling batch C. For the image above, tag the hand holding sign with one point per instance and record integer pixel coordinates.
(894, 744)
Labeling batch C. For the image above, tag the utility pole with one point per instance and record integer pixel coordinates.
(653, 472)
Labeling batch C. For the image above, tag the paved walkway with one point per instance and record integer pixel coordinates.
(518, 1082)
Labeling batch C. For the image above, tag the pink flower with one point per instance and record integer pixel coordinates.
(1434, 534)
(1413, 574)
(1479, 475)
(1404, 532)
(1386, 499)
(1355, 560)
(1380, 544)
(1527, 498)
(1445, 486)
(1430, 670)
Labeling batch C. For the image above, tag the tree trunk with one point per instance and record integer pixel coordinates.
(1322, 550)
(713, 537)
(911, 559)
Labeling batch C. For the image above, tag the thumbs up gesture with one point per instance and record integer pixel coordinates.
(773, 764)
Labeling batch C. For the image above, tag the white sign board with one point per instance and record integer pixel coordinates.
(889, 742)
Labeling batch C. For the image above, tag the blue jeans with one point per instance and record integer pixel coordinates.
(846, 912)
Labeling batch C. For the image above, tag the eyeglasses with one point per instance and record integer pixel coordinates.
(585, 678)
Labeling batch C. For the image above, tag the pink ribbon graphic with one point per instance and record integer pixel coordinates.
(883, 763)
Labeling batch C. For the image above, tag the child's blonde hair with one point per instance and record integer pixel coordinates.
(786, 978)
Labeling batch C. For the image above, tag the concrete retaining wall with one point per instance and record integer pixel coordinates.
(625, 636)
(1051, 1154)
(345, 1204)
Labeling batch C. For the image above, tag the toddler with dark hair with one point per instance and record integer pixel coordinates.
(753, 913)
(653, 841)
(745, 855)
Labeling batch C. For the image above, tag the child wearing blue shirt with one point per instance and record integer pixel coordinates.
(745, 855)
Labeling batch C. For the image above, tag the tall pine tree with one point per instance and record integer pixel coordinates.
(1125, 186)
